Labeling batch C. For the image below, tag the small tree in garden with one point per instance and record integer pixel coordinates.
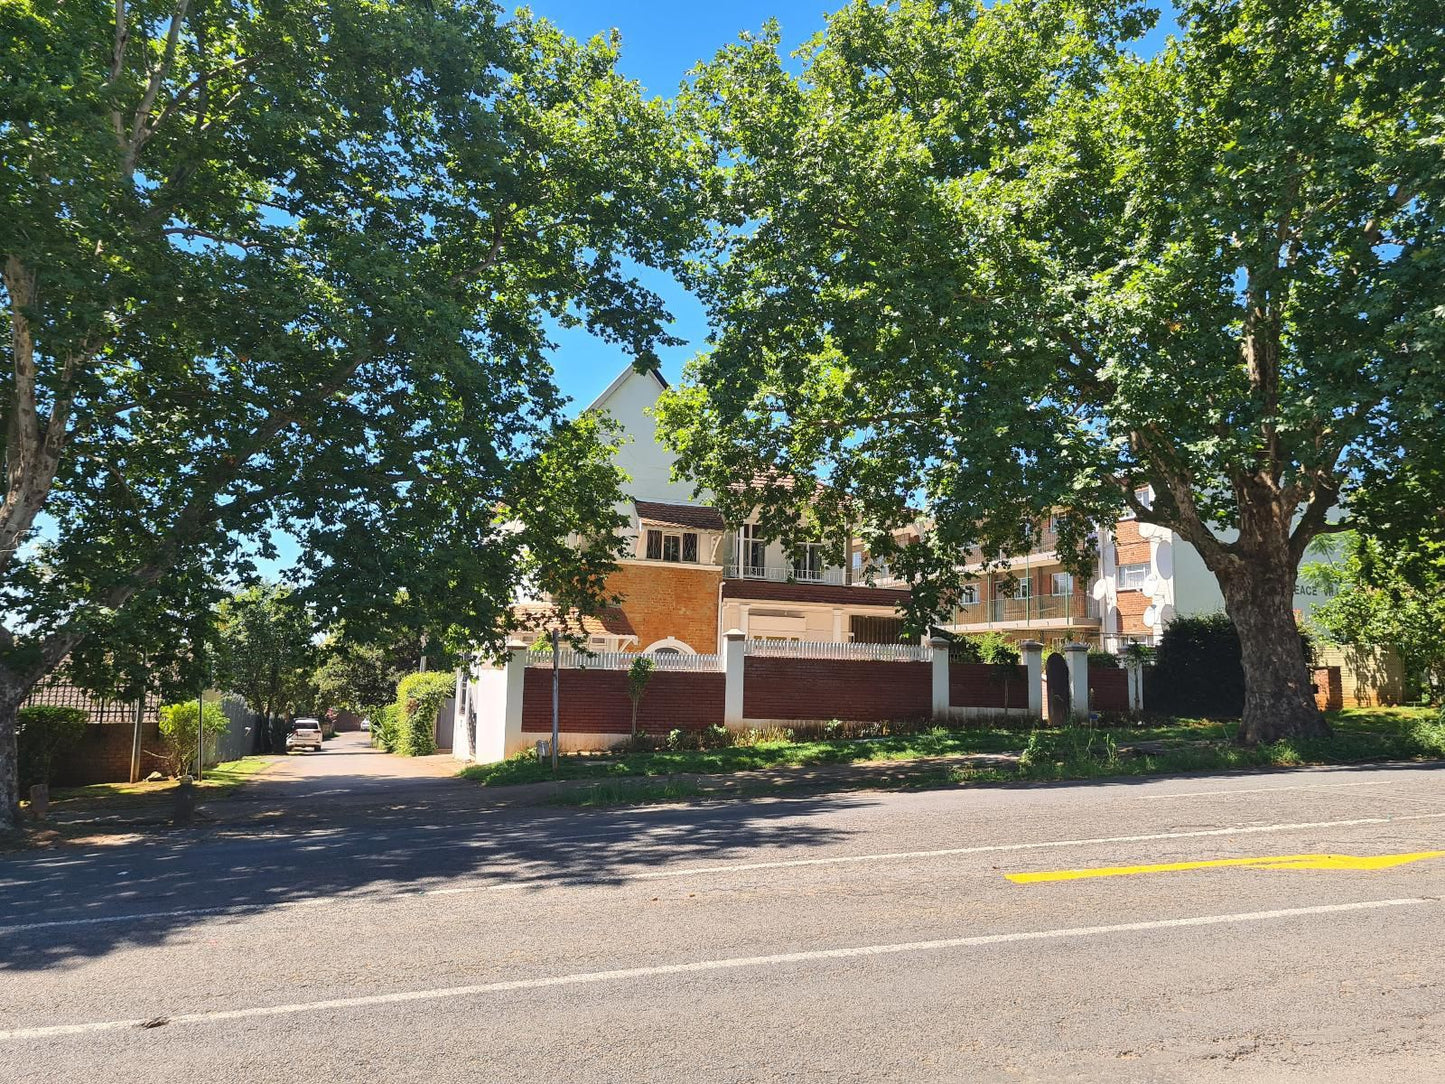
(638, 675)
(181, 731)
(44, 731)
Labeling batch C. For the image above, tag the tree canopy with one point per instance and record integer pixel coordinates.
(980, 262)
(293, 267)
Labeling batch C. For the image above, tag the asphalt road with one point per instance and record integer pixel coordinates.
(359, 918)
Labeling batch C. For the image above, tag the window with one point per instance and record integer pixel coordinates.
(1145, 497)
(669, 546)
(808, 564)
(968, 594)
(1131, 577)
(753, 555)
(1023, 588)
(1062, 583)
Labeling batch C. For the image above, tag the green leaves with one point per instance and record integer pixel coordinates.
(289, 268)
(975, 263)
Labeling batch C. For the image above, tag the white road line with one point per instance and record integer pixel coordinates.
(734, 963)
(1262, 790)
(238, 910)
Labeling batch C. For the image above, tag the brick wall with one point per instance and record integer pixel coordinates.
(1132, 605)
(1108, 688)
(596, 701)
(664, 600)
(982, 685)
(103, 755)
(1329, 691)
(836, 689)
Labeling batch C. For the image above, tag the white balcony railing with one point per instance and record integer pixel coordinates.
(1070, 608)
(783, 573)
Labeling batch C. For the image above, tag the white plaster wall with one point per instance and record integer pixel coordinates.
(648, 464)
(488, 699)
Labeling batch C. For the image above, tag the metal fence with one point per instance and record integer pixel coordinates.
(794, 649)
(623, 660)
(242, 736)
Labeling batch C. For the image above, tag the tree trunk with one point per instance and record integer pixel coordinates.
(9, 766)
(1279, 700)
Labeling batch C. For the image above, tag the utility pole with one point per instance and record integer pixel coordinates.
(556, 694)
(200, 729)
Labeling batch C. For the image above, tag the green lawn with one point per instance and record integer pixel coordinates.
(218, 781)
(1191, 745)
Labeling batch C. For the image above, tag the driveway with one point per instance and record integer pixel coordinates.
(345, 782)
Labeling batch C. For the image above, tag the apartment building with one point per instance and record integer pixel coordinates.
(1142, 577)
(688, 576)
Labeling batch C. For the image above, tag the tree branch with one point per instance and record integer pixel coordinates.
(138, 130)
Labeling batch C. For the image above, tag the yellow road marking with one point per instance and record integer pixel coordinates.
(1284, 861)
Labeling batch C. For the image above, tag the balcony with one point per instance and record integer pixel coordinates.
(783, 573)
(1045, 609)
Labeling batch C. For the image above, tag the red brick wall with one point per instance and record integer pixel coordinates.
(596, 701)
(836, 689)
(1329, 691)
(1108, 689)
(662, 600)
(981, 685)
(103, 755)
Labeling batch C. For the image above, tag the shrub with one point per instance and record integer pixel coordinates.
(988, 647)
(42, 732)
(716, 736)
(383, 727)
(179, 728)
(418, 699)
(1104, 660)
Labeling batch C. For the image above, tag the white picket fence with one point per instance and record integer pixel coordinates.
(792, 649)
(569, 659)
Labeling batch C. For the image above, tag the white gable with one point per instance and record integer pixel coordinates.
(648, 464)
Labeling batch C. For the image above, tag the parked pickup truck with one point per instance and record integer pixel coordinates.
(305, 734)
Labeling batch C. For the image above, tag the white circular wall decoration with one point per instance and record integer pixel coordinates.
(670, 646)
(1164, 559)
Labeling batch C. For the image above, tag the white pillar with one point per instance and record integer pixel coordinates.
(1134, 667)
(461, 737)
(1033, 653)
(516, 681)
(941, 698)
(742, 618)
(838, 626)
(733, 677)
(1078, 659)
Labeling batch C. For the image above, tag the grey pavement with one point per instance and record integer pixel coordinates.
(357, 917)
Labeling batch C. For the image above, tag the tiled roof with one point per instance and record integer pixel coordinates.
(768, 591)
(60, 693)
(697, 516)
(534, 616)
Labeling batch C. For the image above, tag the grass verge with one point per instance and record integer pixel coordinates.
(218, 781)
(1176, 746)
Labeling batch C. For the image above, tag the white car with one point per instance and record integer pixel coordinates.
(305, 734)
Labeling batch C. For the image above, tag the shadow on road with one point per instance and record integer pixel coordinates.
(350, 833)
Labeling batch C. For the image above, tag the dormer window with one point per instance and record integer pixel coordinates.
(674, 546)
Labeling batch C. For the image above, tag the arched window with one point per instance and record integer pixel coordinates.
(670, 646)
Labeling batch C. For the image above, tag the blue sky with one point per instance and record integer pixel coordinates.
(661, 40)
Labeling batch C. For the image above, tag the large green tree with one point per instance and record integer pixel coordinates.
(272, 266)
(981, 261)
